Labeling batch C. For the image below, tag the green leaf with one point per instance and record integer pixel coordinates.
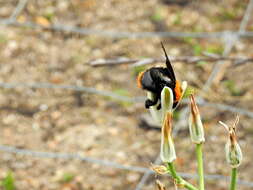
(178, 19)
(121, 92)
(136, 70)
(156, 17)
(234, 91)
(49, 16)
(67, 177)
(176, 115)
(201, 63)
(8, 182)
(3, 38)
(197, 48)
(215, 49)
(228, 15)
(189, 40)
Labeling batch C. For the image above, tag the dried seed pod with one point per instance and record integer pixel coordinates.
(167, 152)
(232, 149)
(195, 124)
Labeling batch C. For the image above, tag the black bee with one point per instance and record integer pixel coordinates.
(156, 78)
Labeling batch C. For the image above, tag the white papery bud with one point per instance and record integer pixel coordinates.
(195, 124)
(232, 149)
(167, 153)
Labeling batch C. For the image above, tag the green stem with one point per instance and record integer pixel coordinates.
(179, 180)
(200, 166)
(233, 179)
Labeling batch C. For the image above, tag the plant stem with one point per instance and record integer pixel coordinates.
(233, 179)
(179, 180)
(200, 166)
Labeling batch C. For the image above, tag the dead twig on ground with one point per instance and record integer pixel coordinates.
(230, 40)
(115, 96)
(76, 156)
(124, 34)
(187, 59)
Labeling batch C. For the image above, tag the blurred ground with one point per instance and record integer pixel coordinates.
(67, 121)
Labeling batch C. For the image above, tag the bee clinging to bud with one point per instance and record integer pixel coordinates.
(155, 79)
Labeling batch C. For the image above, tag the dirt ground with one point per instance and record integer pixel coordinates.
(60, 120)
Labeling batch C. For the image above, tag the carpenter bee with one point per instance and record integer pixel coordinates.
(155, 79)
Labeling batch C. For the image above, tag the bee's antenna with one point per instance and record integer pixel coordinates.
(168, 64)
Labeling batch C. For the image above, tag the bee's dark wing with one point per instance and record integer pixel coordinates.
(161, 78)
(168, 64)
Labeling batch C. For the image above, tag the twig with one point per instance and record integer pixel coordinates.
(115, 96)
(217, 67)
(19, 8)
(230, 40)
(224, 107)
(120, 34)
(69, 156)
(71, 87)
(246, 17)
(188, 59)
(146, 175)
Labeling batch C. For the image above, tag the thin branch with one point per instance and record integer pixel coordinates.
(188, 59)
(230, 40)
(223, 107)
(70, 87)
(125, 34)
(146, 175)
(246, 17)
(69, 156)
(19, 8)
(115, 96)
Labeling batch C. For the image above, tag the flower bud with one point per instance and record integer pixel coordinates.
(195, 124)
(166, 104)
(167, 153)
(232, 149)
(167, 100)
(233, 154)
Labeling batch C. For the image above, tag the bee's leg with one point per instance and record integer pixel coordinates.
(159, 106)
(149, 102)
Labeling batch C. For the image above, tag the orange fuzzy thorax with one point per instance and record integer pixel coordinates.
(178, 91)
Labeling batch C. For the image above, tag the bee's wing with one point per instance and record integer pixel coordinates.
(168, 64)
(160, 77)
